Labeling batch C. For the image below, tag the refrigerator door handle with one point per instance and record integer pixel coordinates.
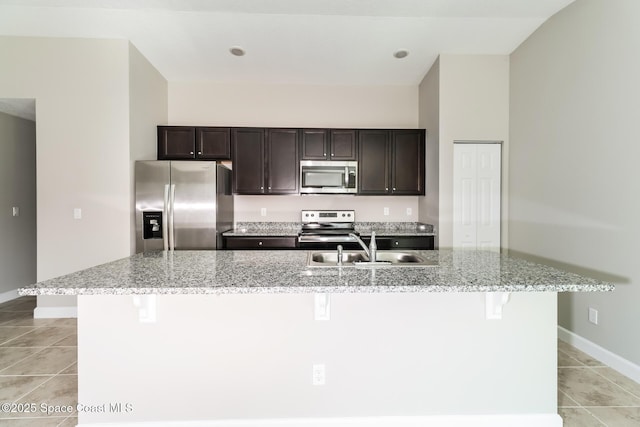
(165, 220)
(172, 201)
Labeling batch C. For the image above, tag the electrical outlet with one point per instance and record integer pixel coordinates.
(409, 210)
(322, 303)
(319, 374)
(386, 211)
(263, 211)
(593, 315)
(77, 213)
(16, 211)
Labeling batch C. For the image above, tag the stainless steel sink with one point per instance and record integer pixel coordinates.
(359, 259)
(332, 257)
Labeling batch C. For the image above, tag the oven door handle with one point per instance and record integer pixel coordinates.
(325, 239)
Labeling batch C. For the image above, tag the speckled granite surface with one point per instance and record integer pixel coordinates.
(221, 272)
(395, 228)
(250, 229)
(265, 229)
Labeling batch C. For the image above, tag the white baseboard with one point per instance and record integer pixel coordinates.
(610, 359)
(55, 312)
(8, 296)
(520, 420)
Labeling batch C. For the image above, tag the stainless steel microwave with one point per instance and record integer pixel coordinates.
(328, 177)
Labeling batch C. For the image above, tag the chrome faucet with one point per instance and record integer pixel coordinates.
(369, 251)
(373, 248)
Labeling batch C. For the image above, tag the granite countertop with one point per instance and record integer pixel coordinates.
(266, 229)
(240, 272)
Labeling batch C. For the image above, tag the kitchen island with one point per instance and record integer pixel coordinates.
(254, 338)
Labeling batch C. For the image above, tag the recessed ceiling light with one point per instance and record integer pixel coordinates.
(236, 51)
(402, 53)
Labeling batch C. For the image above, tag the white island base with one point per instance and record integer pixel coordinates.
(390, 360)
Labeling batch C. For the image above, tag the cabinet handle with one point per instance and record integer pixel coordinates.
(262, 188)
(199, 152)
(386, 188)
(394, 188)
(396, 243)
(269, 188)
(324, 154)
(191, 152)
(259, 243)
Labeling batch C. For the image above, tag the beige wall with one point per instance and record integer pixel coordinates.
(473, 102)
(84, 94)
(575, 103)
(287, 208)
(148, 108)
(293, 105)
(81, 93)
(429, 108)
(301, 106)
(17, 188)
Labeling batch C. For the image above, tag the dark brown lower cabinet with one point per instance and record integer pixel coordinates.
(267, 242)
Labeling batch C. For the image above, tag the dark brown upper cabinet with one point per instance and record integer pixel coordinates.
(328, 144)
(213, 143)
(188, 143)
(282, 161)
(265, 161)
(248, 161)
(373, 164)
(391, 162)
(314, 144)
(407, 162)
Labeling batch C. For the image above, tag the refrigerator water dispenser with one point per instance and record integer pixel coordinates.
(152, 225)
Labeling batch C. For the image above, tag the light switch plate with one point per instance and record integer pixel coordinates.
(593, 315)
(385, 211)
(77, 213)
(16, 211)
(263, 211)
(409, 211)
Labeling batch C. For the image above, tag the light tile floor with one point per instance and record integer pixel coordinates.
(38, 365)
(592, 394)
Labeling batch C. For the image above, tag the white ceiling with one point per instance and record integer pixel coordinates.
(334, 42)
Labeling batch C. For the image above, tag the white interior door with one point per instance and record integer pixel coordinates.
(476, 195)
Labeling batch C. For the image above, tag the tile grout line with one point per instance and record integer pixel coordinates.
(2, 344)
(21, 360)
(616, 384)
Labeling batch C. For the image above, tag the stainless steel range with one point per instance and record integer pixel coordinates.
(326, 229)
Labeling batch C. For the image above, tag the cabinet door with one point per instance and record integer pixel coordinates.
(373, 163)
(248, 161)
(407, 162)
(343, 144)
(213, 143)
(176, 142)
(314, 144)
(282, 161)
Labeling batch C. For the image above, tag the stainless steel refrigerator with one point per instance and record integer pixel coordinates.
(182, 205)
